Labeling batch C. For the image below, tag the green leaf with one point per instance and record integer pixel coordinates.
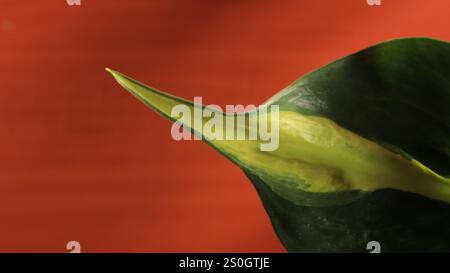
(364, 150)
(397, 93)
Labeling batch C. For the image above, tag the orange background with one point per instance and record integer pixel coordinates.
(81, 159)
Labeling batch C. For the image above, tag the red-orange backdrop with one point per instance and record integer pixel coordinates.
(81, 159)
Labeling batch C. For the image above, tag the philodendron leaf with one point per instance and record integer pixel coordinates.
(363, 155)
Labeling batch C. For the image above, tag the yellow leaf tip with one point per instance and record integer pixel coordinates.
(110, 70)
